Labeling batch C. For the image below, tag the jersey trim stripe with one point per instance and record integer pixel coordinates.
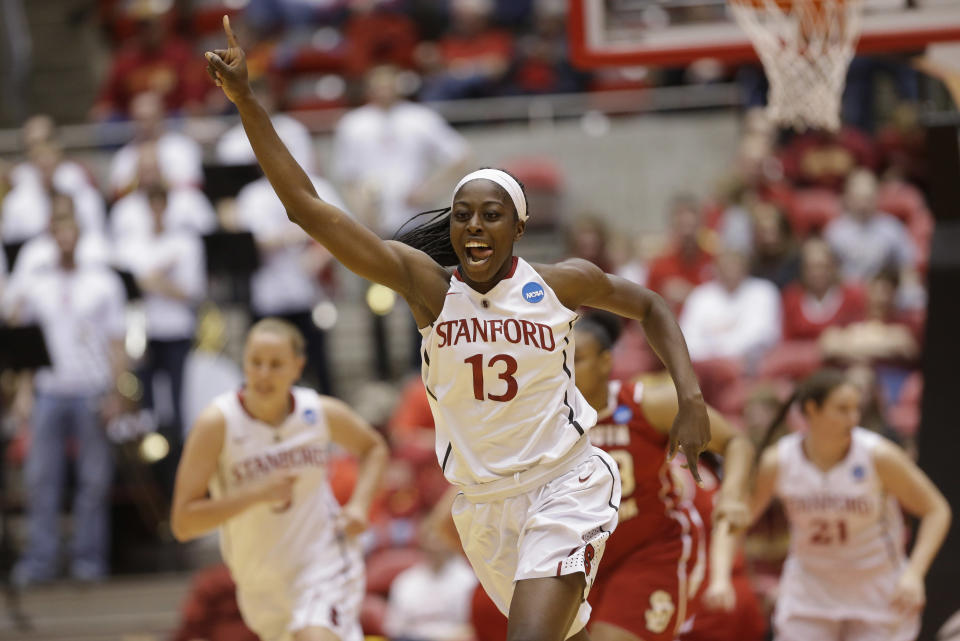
(570, 418)
(443, 466)
(613, 486)
(566, 402)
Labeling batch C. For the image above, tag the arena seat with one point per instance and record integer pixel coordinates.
(811, 209)
(791, 359)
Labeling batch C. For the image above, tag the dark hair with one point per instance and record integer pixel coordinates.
(604, 327)
(433, 236)
(816, 387)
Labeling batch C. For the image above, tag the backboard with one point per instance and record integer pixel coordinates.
(606, 33)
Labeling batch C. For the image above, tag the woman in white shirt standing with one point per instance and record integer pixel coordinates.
(169, 269)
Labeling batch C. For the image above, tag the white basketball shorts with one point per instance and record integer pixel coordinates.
(547, 521)
(323, 594)
(796, 628)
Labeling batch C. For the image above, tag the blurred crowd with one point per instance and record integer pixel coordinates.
(811, 251)
(314, 54)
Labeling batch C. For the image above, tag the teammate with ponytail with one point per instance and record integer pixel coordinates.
(657, 559)
(537, 501)
(846, 577)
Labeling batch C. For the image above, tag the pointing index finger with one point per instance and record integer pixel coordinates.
(692, 457)
(231, 39)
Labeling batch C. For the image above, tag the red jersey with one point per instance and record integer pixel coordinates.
(650, 496)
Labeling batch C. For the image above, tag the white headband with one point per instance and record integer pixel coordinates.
(505, 180)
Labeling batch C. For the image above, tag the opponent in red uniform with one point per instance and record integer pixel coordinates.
(727, 610)
(656, 560)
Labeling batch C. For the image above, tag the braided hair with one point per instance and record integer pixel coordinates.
(432, 237)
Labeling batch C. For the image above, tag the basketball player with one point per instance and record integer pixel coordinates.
(537, 500)
(656, 560)
(728, 608)
(846, 577)
(261, 452)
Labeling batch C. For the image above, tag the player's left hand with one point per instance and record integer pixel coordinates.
(910, 594)
(690, 433)
(352, 520)
(720, 596)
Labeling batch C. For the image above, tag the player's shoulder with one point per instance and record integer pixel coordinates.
(882, 450)
(210, 426)
(573, 280)
(770, 458)
(568, 268)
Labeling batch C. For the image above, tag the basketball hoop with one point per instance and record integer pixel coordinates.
(806, 47)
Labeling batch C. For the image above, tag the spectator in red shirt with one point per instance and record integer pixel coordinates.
(471, 59)
(820, 299)
(157, 61)
(686, 263)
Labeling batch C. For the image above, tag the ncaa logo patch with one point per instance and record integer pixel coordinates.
(310, 416)
(533, 292)
(859, 473)
(622, 415)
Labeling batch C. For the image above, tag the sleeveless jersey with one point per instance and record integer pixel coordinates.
(846, 534)
(652, 507)
(498, 369)
(270, 545)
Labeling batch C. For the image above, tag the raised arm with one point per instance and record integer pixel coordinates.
(356, 436)
(194, 513)
(578, 282)
(406, 270)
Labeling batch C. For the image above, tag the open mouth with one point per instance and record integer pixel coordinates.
(478, 252)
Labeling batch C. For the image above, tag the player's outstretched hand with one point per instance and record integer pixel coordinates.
(909, 595)
(720, 595)
(352, 520)
(228, 67)
(690, 433)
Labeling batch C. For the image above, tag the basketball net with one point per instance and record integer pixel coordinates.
(806, 47)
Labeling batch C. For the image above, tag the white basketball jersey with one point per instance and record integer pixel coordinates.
(274, 545)
(846, 534)
(498, 368)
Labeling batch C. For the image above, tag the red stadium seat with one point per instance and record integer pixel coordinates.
(717, 376)
(791, 359)
(901, 199)
(811, 210)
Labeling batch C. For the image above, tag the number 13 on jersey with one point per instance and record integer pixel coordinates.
(509, 369)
